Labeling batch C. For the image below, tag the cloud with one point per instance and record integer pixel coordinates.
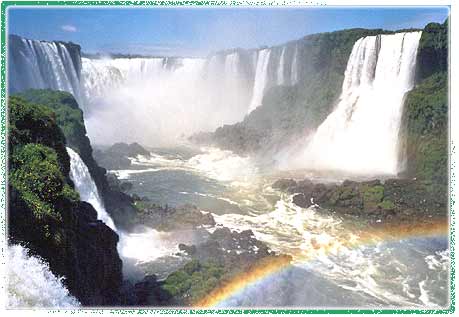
(69, 28)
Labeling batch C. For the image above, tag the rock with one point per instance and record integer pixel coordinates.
(169, 219)
(284, 184)
(190, 250)
(394, 200)
(125, 186)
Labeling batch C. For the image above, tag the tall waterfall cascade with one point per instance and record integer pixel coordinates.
(260, 79)
(87, 188)
(40, 64)
(361, 134)
(32, 284)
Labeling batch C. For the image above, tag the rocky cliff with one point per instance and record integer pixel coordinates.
(69, 117)
(425, 118)
(45, 212)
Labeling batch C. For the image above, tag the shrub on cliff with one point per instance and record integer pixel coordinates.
(426, 115)
(69, 118)
(45, 213)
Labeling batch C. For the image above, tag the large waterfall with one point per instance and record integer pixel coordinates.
(40, 64)
(156, 100)
(361, 134)
(87, 188)
(32, 284)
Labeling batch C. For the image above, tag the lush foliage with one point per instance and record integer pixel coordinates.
(35, 124)
(68, 116)
(193, 281)
(426, 112)
(425, 117)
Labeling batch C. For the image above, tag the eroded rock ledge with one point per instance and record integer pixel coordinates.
(375, 200)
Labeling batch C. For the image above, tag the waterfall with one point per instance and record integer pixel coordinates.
(361, 134)
(280, 68)
(87, 188)
(294, 67)
(214, 91)
(167, 98)
(40, 64)
(231, 66)
(31, 284)
(261, 79)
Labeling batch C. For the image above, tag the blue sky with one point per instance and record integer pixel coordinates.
(198, 31)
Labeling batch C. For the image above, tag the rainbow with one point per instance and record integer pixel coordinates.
(269, 266)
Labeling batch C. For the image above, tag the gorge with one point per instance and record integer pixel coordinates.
(242, 182)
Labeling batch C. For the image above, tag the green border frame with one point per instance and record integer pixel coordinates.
(197, 3)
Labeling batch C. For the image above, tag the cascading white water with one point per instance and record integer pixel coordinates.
(261, 79)
(40, 64)
(361, 134)
(32, 284)
(165, 103)
(132, 247)
(280, 68)
(294, 68)
(87, 188)
(168, 98)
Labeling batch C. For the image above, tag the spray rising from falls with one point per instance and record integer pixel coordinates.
(87, 188)
(32, 284)
(168, 97)
(361, 134)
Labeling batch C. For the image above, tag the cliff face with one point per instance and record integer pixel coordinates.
(69, 118)
(425, 117)
(45, 212)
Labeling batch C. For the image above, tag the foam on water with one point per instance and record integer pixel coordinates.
(32, 284)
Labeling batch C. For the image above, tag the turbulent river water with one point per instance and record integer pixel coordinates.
(335, 262)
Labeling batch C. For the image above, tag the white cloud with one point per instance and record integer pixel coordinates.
(69, 28)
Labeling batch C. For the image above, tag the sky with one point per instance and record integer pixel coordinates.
(200, 31)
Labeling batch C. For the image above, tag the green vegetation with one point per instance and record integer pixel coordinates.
(64, 110)
(387, 205)
(45, 212)
(372, 195)
(68, 115)
(426, 109)
(38, 175)
(35, 124)
(193, 281)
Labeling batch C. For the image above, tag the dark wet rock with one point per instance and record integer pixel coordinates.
(126, 186)
(229, 248)
(284, 184)
(168, 218)
(118, 155)
(190, 250)
(374, 200)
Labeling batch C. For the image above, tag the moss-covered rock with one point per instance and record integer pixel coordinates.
(45, 213)
(69, 118)
(374, 201)
(424, 132)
